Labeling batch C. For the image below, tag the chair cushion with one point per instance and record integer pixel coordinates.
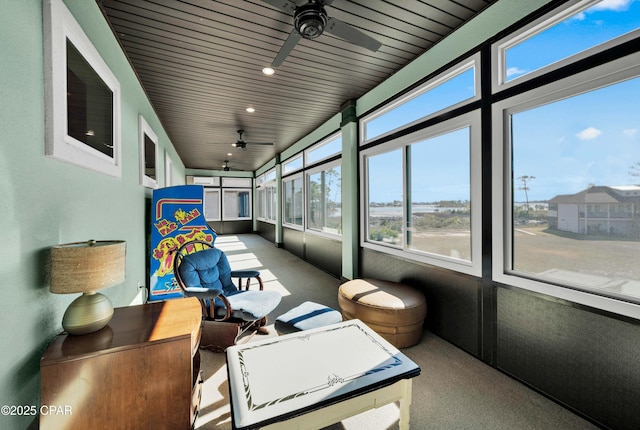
(249, 305)
(208, 269)
(306, 316)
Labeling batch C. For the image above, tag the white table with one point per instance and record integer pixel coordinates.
(315, 378)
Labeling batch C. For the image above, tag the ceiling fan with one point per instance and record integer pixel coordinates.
(226, 167)
(311, 20)
(240, 143)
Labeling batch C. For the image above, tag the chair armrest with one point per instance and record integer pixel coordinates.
(247, 274)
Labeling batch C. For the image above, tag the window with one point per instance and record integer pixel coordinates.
(567, 164)
(267, 196)
(573, 32)
(148, 142)
(422, 195)
(236, 204)
(324, 197)
(439, 94)
(82, 97)
(292, 165)
(324, 149)
(293, 201)
(211, 204)
(384, 194)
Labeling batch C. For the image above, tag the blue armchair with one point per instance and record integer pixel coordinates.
(203, 271)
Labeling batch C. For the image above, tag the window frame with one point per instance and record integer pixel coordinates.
(212, 190)
(329, 139)
(265, 182)
(145, 130)
(60, 26)
(498, 49)
(291, 178)
(224, 216)
(502, 224)
(307, 174)
(465, 65)
(474, 266)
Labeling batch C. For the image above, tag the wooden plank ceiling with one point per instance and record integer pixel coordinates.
(200, 63)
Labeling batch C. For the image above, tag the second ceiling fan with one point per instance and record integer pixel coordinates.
(311, 20)
(241, 144)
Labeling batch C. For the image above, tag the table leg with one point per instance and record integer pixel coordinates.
(405, 405)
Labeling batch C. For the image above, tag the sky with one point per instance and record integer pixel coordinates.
(593, 138)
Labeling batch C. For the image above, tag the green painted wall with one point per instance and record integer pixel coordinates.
(44, 202)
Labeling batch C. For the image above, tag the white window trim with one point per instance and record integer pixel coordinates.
(60, 25)
(323, 142)
(145, 129)
(498, 50)
(616, 71)
(317, 169)
(236, 218)
(471, 62)
(473, 267)
(292, 178)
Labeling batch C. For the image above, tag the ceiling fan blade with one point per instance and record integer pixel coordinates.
(259, 143)
(287, 6)
(351, 34)
(289, 44)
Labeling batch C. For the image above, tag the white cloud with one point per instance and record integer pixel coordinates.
(512, 71)
(630, 132)
(615, 5)
(589, 133)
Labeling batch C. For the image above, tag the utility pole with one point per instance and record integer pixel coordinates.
(525, 179)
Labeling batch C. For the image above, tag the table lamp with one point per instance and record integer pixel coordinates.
(85, 267)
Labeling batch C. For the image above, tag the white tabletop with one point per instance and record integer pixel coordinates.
(276, 378)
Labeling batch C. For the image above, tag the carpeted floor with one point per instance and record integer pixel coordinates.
(454, 390)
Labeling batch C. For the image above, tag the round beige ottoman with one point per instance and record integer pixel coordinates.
(394, 311)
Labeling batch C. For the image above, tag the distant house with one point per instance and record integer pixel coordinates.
(598, 210)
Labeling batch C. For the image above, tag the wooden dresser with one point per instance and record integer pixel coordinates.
(142, 371)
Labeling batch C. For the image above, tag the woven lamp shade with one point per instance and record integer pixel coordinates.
(87, 266)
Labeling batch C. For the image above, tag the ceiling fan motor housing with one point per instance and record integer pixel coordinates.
(310, 20)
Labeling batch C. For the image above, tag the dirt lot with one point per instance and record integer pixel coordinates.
(538, 250)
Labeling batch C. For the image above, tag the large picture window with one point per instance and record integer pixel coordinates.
(422, 195)
(571, 186)
(82, 97)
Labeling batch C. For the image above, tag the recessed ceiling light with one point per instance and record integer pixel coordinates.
(250, 110)
(268, 71)
(229, 154)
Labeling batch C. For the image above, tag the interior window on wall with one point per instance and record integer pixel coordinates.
(293, 201)
(578, 28)
(384, 191)
(575, 199)
(324, 200)
(82, 96)
(440, 195)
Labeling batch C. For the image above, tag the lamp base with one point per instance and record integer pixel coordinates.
(87, 314)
